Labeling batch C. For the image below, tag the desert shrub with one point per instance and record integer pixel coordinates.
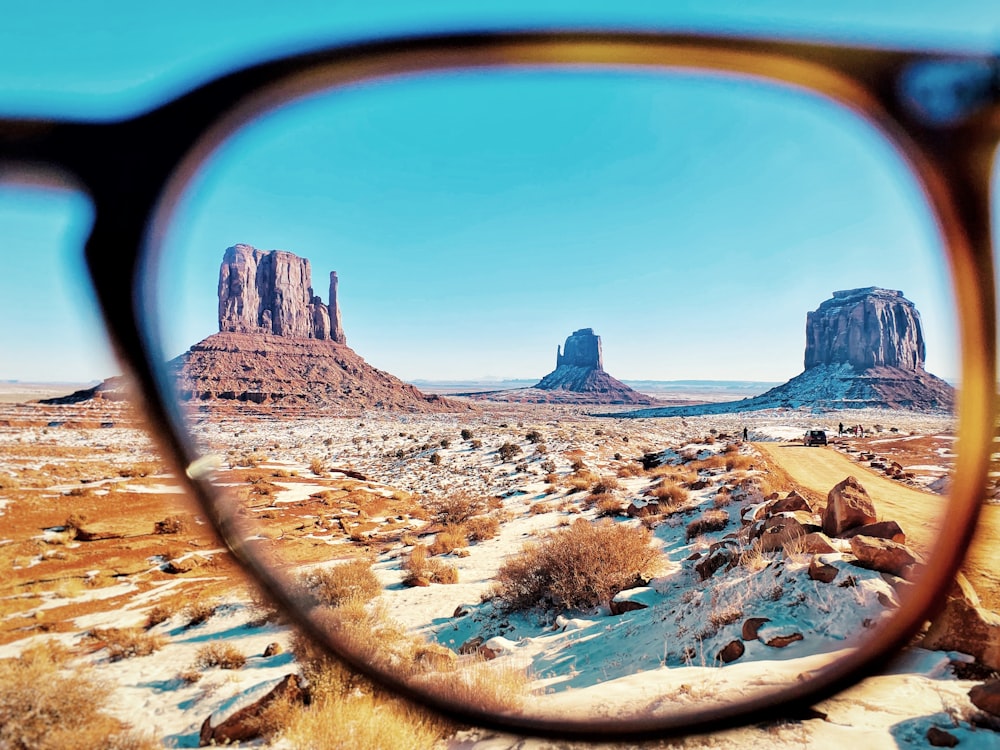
(125, 643)
(435, 458)
(609, 507)
(44, 706)
(455, 507)
(219, 654)
(318, 467)
(508, 450)
(631, 469)
(737, 462)
(578, 464)
(722, 498)
(533, 436)
(577, 567)
(669, 492)
(198, 612)
(709, 521)
(448, 539)
(537, 509)
(422, 570)
(476, 444)
(481, 528)
(250, 460)
(158, 613)
(604, 485)
(9, 482)
(551, 477)
(341, 583)
(466, 433)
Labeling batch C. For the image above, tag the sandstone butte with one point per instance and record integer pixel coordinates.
(864, 348)
(280, 345)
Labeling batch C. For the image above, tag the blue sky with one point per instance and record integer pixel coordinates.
(476, 220)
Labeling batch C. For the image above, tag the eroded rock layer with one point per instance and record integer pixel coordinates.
(864, 328)
(270, 291)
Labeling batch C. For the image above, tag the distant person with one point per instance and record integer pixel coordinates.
(744, 434)
(840, 429)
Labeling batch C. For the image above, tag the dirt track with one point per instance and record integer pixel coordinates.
(819, 469)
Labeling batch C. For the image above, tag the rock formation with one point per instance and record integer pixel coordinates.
(864, 348)
(865, 328)
(278, 344)
(270, 291)
(579, 378)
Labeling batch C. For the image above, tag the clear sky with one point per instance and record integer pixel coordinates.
(476, 220)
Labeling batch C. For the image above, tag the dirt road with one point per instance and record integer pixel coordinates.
(918, 513)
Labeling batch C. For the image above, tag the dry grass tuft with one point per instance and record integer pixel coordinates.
(604, 486)
(44, 706)
(449, 539)
(198, 612)
(709, 521)
(455, 508)
(422, 570)
(670, 493)
(578, 567)
(342, 583)
(481, 528)
(126, 643)
(220, 654)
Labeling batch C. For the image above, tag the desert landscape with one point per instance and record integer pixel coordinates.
(574, 549)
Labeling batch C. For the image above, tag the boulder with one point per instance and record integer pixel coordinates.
(965, 626)
(626, 605)
(708, 565)
(883, 555)
(820, 571)
(778, 531)
(731, 652)
(882, 530)
(792, 501)
(986, 697)
(940, 738)
(750, 627)
(817, 543)
(780, 641)
(226, 726)
(847, 506)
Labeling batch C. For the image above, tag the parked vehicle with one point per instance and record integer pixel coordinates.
(814, 437)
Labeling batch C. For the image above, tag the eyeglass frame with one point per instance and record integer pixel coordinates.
(135, 169)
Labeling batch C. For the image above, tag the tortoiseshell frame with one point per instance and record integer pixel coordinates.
(135, 169)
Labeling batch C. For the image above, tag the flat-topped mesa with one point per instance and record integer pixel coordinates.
(582, 349)
(270, 291)
(865, 328)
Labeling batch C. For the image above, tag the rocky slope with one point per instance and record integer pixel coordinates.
(864, 349)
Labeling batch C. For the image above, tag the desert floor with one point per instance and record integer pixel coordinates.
(97, 538)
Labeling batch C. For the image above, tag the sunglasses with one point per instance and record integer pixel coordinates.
(443, 169)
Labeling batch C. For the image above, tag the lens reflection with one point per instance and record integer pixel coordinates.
(689, 501)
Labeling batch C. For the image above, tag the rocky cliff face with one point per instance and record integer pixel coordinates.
(865, 328)
(583, 349)
(270, 291)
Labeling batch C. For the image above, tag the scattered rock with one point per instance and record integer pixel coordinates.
(731, 652)
(820, 571)
(273, 649)
(780, 641)
(460, 611)
(965, 626)
(779, 531)
(627, 605)
(471, 646)
(185, 564)
(244, 724)
(792, 501)
(940, 738)
(847, 506)
(707, 566)
(817, 543)
(986, 697)
(883, 555)
(883, 530)
(750, 627)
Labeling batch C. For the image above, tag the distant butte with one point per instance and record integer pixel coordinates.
(579, 378)
(280, 345)
(864, 348)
